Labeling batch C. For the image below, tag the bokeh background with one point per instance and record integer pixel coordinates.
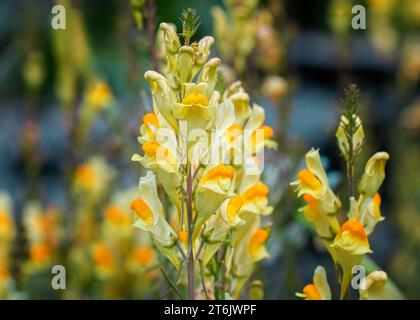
(71, 102)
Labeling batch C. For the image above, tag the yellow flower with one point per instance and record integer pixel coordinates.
(154, 149)
(150, 218)
(214, 187)
(313, 180)
(185, 62)
(350, 245)
(143, 255)
(358, 136)
(248, 248)
(326, 225)
(143, 211)
(42, 226)
(255, 199)
(256, 248)
(226, 139)
(202, 50)
(374, 174)
(103, 259)
(163, 96)
(116, 215)
(99, 95)
(371, 213)
(170, 38)
(92, 178)
(231, 214)
(319, 289)
(149, 127)
(162, 159)
(233, 132)
(208, 74)
(240, 99)
(377, 287)
(85, 176)
(260, 135)
(219, 225)
(198, 106)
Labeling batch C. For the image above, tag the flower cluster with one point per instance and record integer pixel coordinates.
(105, 250)
(190, 145)
(43, 233)
(122, 259)
(345, 237)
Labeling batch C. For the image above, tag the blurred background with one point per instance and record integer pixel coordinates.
(71, 102)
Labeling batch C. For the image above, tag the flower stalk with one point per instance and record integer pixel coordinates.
(350, 127)
(190, 221)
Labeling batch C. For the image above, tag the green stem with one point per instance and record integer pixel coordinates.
(190, 261)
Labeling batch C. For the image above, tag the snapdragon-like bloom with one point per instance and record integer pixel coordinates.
(215, 186)
(319, 289)
(350, 245)
(149, 212)
(92, 178)
(249, 248)
(374, 174)
(322, 204)
(313, 180)
(226, 218)
(370, 213)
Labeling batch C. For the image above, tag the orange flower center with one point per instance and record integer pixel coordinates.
(151, 119)
(154, 148)
(142, 210)
(377, 200)
(258, 190)
(268, 131)
(219, 172)
(311, 292)
(182, 236)
(310, 200)
(309, 179)
(355, 228)
(233, 132)
(195, 98)
(233, 208)
(258, 239)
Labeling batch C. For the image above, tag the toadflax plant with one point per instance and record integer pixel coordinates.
(205, 147)
(346, 237)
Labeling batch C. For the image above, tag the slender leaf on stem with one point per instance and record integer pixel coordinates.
(171, 283)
